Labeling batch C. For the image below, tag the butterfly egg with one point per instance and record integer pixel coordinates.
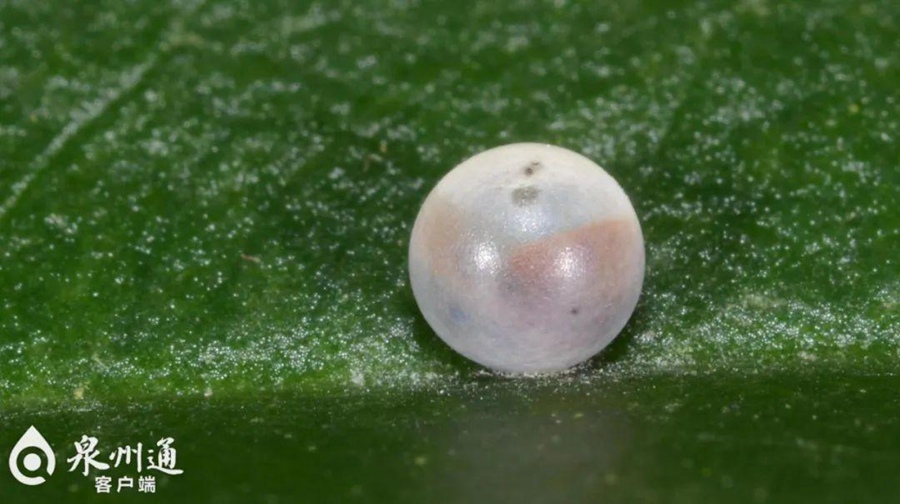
(527, 258)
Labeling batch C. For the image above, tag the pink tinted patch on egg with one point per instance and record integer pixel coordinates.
(440, 228)
(581, 275)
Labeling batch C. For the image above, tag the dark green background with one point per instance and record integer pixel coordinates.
(205, 206)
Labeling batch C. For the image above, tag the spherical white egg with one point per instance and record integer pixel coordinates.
(527, 258)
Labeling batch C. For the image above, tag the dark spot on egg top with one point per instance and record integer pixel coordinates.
(574, 311)
(531, 168)
(526, 195)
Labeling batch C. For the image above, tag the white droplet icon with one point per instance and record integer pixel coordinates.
(31, 461)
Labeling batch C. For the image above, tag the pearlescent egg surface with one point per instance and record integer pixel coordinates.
(527, 258)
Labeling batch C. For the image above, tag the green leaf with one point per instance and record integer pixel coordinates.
(213, 198)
